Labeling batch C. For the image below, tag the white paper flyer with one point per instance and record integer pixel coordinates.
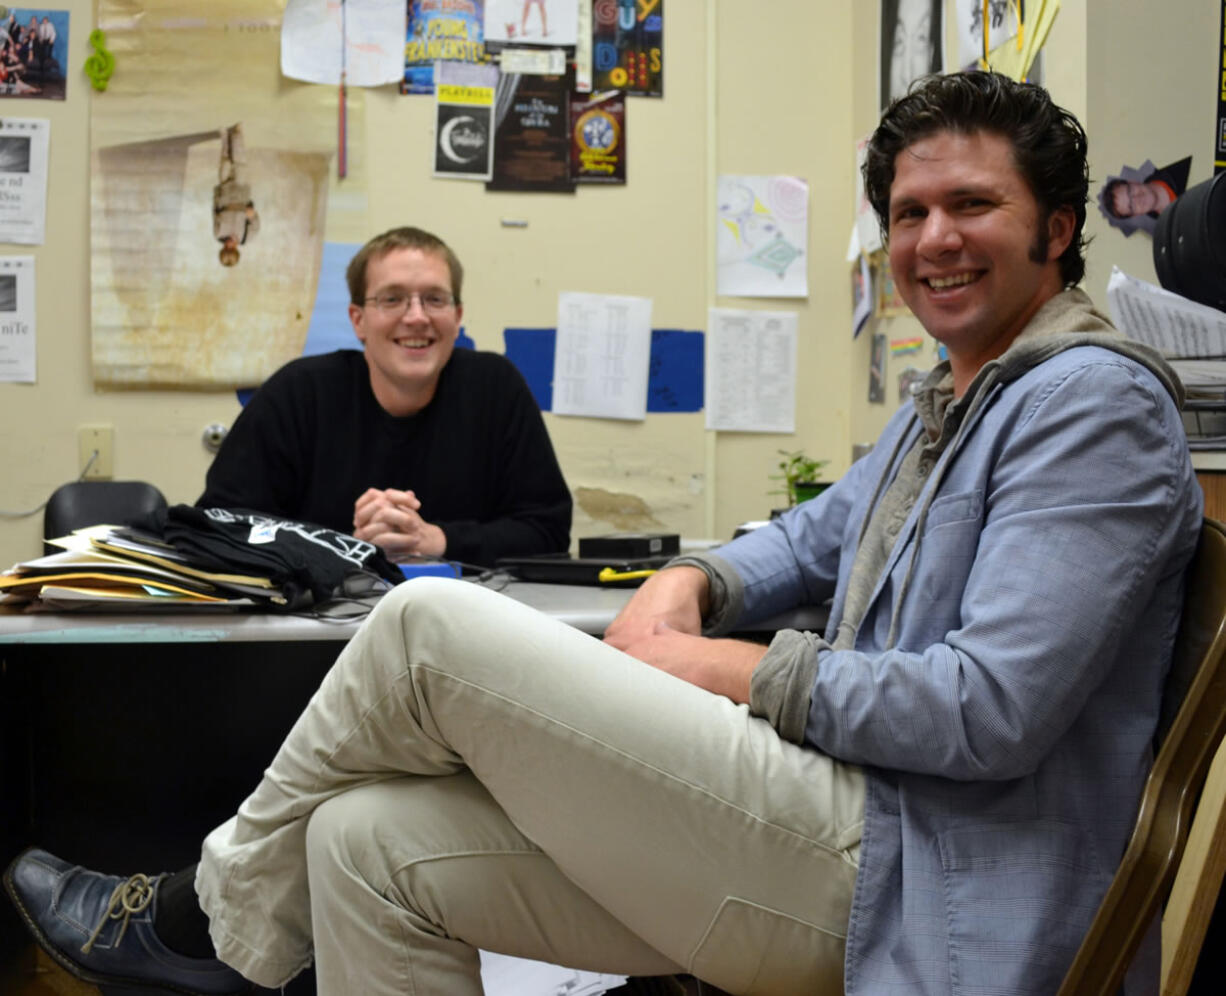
(17, 339)
(603, 356)
(319, 38)
(23, 180)
(751, 370)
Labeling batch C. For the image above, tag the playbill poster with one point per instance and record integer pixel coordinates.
(17, 339)
(464, 120)
(23, 180)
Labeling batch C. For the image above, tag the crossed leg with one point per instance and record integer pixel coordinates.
(581, 807)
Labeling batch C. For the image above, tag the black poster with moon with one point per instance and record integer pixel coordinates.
(531, 138)
(464, 120)
(463, 147)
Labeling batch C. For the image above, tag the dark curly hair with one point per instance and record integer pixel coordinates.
(1049, 146)
(400, 238)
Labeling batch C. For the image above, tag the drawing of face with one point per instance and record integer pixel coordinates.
(912, 53)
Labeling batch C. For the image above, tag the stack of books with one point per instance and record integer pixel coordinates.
(110, 567)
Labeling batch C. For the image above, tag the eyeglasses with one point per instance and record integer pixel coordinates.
(397, 303)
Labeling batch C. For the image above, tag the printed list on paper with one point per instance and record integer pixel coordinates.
(603, 356)
(751, 370)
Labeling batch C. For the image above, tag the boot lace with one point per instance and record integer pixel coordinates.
(129, 897)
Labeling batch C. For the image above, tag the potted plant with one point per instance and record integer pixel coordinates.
(798, 473)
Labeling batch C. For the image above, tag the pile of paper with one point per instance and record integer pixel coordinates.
(502, 975)
(109, 567)
(1191, 335)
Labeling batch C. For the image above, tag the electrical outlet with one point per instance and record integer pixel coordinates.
(94, 450)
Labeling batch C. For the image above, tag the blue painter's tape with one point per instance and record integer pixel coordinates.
(329, 328)
(675, 381)
(532, 350)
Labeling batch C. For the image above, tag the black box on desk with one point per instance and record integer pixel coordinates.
(630, 545)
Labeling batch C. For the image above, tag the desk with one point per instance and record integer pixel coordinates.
(124, 739)
(586, 608)
(1210, 466)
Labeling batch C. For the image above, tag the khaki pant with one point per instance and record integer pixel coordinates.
(472, 774)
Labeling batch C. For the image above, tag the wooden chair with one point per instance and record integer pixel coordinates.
(1190, 732)
(1197, 883)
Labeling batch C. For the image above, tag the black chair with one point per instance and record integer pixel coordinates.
(91, 503)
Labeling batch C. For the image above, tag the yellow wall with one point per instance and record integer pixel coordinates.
(787, 88)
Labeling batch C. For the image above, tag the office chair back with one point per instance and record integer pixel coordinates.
(1196, 699)
(90, 503)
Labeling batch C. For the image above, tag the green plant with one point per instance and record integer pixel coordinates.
(796, 470)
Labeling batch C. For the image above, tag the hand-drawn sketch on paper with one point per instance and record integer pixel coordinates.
(911, 35)
(184, 292)
(762, 235)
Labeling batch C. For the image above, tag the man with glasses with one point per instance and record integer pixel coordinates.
(417, 447)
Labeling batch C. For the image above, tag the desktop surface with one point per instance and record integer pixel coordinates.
(588, 608)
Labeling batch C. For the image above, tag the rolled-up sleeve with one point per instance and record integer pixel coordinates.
(782, 682)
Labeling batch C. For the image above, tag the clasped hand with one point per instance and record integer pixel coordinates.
(661, 626)
(390, 519)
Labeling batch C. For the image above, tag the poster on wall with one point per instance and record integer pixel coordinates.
(441, 29)
(23, 180)
(861, 294)
(33, 52)
(628, 47)
(319, 39)
(1134, 198)
(18, 341)
(1219, 80)
(209, 204)
(889, 302)
(598, 137)
(876, 370)
(910, 44)
(762, 236)
(1016, 32)
(464, 120)
(531, 134)
(1002, 24)
(531, 22)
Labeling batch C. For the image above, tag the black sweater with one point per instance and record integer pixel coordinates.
(313, 438)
